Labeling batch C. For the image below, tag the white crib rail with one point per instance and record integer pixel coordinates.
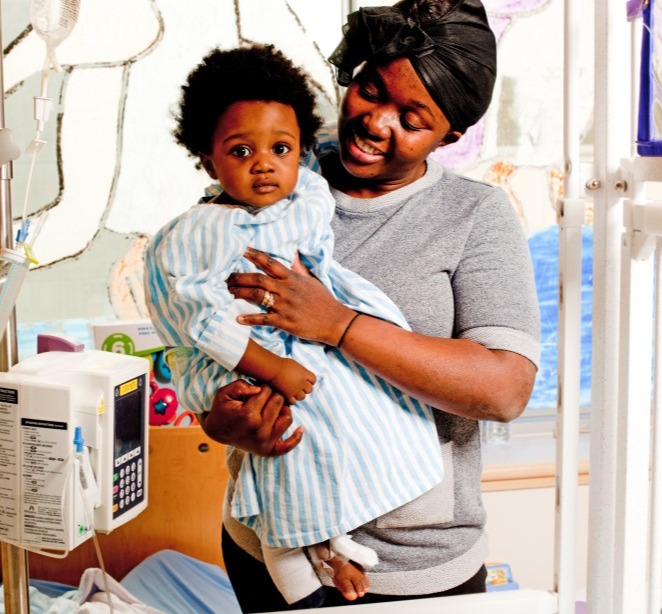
(633, 449)
(570, 217)
(508, 602)
(636, 567)
(613, 110)
(655, 521)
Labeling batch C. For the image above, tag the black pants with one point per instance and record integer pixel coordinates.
(257, 593)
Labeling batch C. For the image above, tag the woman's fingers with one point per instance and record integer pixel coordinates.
(253, 285)
(252, 418)
(283, 446)
(266, 263)
(275, 415)
(299, 267)
(278, 418)
(295, 302)
(247, 280)
(255, 295)
(239, 390)
(258, 288)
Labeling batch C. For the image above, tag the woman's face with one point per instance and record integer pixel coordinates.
(388, 125)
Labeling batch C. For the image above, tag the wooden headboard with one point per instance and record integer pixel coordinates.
(187, 480)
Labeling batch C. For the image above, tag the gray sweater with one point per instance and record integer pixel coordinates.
(450, 252)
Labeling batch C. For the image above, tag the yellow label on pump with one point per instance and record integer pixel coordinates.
(129, 386)
(101, 407)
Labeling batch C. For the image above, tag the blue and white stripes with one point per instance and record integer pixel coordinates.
(368, 448)
(363, 454)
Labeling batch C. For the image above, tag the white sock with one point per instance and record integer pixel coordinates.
(344, 546)
(291, 572)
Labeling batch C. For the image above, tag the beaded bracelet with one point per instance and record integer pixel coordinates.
(342, 337)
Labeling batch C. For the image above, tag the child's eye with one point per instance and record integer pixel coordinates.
(281, 149)
(241, 151)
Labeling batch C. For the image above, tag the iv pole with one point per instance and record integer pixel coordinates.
(14, 559)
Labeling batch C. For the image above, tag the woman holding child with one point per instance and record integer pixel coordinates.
(448, 251)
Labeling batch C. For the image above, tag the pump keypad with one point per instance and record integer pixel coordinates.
(128, 481)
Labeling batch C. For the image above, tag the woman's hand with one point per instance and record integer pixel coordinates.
(251, 418)
(300, 305)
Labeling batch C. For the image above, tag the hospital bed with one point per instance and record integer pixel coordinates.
(169, 557)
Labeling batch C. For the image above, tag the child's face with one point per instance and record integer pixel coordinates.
(255, 152)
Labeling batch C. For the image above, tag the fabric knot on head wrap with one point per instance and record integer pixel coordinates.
(454, 55)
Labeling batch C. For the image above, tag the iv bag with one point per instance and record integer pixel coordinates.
(53, 20)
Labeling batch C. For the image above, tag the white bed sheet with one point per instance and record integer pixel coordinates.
(168, 581)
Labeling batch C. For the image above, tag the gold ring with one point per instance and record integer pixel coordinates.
(267, 300)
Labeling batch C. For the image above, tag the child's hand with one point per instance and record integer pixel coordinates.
(293, 380)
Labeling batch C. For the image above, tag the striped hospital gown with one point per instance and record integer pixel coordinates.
(368, 448)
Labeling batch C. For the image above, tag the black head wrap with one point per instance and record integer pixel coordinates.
(454, 55)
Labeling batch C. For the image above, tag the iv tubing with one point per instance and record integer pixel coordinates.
(14, 560)
(42, 111)
(97, 547)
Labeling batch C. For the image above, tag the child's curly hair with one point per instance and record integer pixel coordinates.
(258, 72)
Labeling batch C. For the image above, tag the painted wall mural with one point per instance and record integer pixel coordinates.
(110, 173)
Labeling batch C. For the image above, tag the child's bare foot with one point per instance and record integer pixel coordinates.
(349, 578)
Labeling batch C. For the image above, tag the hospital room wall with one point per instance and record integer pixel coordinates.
(110, 174)
(520, 525)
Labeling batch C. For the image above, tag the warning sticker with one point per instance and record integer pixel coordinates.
(9, 395)
(45, 463)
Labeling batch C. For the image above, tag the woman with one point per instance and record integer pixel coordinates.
(447, 250)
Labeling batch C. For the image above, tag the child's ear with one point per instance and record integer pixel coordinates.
(208, 165)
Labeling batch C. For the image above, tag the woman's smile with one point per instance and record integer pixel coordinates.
(364, 147)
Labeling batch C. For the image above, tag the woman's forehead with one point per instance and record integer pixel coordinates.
(398, 80)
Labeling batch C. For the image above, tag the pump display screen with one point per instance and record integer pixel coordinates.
(129, 452)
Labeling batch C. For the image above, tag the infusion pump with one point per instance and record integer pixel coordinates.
(73, 446)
